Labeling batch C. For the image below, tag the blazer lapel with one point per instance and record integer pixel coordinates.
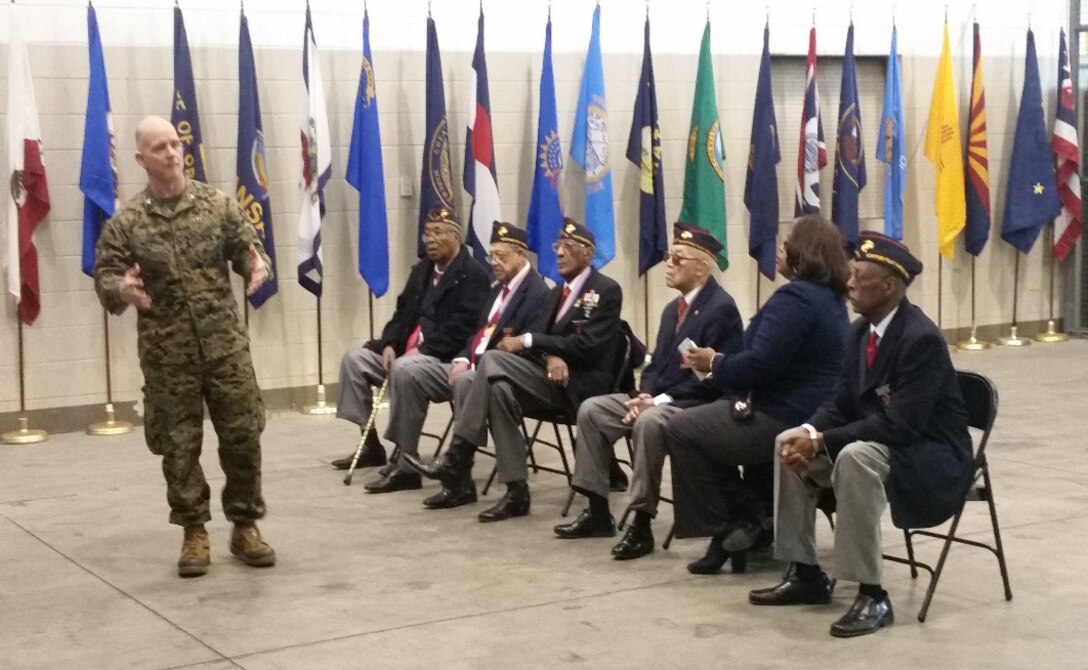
(591, 284)
(513, 303)
(886, 344)
(691, 319)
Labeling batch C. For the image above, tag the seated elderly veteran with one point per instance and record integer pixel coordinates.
(895, 431)
(435, 314)
(548, 370)
(513, 306)
(789, 365)
(704, 314)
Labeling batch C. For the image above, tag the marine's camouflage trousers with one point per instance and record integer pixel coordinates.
(174, 398)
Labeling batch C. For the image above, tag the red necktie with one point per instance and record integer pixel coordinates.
(488, 329)
(870, 348)
(681, 311)
(438, 277)
(562, 301)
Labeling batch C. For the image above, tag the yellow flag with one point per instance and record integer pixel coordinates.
(944, 150)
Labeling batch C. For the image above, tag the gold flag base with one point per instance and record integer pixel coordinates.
(111, 426)
(972, 343)
(24, 434)
(1051, 334)
(1013, 340)
(320, 408)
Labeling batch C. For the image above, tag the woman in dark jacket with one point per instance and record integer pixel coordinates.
(792, 359)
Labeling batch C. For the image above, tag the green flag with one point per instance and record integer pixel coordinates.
(704, 178)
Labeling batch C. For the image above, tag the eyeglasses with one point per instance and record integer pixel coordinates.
(568, 245)
(434, 234)
(498, 256)
(677, 259)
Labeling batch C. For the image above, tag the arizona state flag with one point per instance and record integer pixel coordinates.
(977, 231)
(184, 114)
(944, 151)
(644, 150)
(28, 197)
(252, 164)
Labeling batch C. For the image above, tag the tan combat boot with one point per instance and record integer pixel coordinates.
(195, 556)
(246, 544)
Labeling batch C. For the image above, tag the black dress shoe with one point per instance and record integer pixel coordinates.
(867, 615)
(715, 557)
(743, 536)
(617, 478)
(515, 502)
(635, 543)
(455, 496)
(398, 480)
(587, 524)
(795, 591)
(372, 455)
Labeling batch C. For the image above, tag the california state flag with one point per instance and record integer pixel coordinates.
(28, 193)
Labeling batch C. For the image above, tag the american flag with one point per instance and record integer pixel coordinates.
(812, 153)
(1067, 227)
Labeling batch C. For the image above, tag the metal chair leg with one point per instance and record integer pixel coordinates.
(490, 480)
(940, 566)
(1000, 549)
(669, 537)
(910, 554)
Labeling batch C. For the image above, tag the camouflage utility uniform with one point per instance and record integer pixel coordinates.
(192, 346)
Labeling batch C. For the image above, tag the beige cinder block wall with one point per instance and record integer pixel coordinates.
(65, 347)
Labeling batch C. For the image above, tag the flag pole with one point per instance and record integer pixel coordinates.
(646, 302)
(972, 343)
(370, 310)
(1052, 334)
(757, 285)
(111, 426)
(1014, 340)
(940, 289)
(321, 407)
(24, 434)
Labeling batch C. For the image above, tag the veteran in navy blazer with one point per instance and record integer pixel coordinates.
(895, 431)
(548, 370)
(513, 307)
(435, 315)
(792, 358)
(704, 314)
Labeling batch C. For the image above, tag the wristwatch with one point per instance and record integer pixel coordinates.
(813, 435)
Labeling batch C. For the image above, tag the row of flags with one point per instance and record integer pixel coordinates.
(1043, 177)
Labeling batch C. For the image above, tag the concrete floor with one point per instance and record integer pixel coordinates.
(368, 581)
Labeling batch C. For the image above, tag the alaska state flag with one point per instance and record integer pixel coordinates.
(849, 153)
(479, 172)
(367, 175)
(252, 164)
(644, 150)
(589, 149)
(435, 180)
(890, 145)
(545, 213)
(184, 114)
(98, 170)
(761, 184)
(1031, 196)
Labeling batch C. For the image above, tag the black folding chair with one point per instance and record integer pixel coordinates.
(980, 397)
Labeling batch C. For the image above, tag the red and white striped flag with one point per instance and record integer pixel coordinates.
(28, 195)
(1067, 227)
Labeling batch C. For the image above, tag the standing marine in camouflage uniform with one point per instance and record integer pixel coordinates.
(166, 253)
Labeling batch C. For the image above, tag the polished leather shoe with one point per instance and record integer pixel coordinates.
(587, 525)
(794, 591)
(617, 478)
(867, 615)
(462, 494)
(398, 480)
(635, 543)
(515, 502)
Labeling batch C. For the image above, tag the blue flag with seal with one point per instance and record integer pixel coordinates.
(252, 164)
(98, 170)
(1031, 196)
(545, 213)
(589, 149)
(366, 174)
(644, 150)
(849, 154)
(890, 147)
(184, 114)
(761, 184)
(436, 180)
